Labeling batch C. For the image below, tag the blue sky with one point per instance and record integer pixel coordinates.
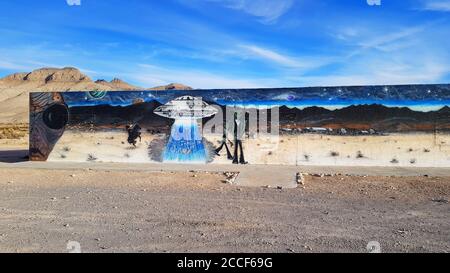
(232, 43)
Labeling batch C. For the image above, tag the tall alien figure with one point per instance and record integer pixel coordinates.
(238, 125)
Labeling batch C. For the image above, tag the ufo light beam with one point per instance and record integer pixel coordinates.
(186, 141)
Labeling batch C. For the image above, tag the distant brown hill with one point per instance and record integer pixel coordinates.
(172, 86)
(14, 89)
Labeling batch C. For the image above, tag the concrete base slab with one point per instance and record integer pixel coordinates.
(273, 169)
(249, 175)
(267, 178)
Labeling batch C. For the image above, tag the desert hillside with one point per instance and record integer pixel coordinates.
(14, 89)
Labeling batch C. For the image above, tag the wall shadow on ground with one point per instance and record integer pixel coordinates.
(14, 156)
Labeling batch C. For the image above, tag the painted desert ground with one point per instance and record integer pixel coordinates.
(403, 150)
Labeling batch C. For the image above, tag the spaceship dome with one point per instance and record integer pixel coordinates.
(186, 107)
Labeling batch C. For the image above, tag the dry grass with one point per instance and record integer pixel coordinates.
(13, 131)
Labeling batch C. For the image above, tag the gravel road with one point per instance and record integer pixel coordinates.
(130, 211)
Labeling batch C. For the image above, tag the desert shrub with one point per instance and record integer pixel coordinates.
(394, 161)
(334, 153)
(413, 161)
(91, 157)
(359, 154)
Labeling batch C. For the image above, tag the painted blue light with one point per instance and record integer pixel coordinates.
(185, 144)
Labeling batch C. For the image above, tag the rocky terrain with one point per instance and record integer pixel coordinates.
(172, 86)
(14, 89)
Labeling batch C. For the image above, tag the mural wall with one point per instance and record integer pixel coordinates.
(358, 126)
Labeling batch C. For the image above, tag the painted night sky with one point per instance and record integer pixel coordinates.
(416, 97)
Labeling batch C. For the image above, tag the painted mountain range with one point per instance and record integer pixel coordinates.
(358, 117)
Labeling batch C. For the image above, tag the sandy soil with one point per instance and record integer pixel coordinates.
(421, 150)
(119, 211)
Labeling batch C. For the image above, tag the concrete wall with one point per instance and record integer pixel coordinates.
(367, 126)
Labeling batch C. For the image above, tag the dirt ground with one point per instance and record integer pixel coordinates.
(120, 211)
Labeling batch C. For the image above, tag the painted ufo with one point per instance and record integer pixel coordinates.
(186, 107)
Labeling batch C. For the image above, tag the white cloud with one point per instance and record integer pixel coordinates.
(303, 63)
(267, 10)
(401, 56)
(6, 65)
(150, 75)
(387, 42)
(437, 5)
(377, 70)
(366, 70)
(375, 78)
(392, 37)
(272, 56)
(28, 58)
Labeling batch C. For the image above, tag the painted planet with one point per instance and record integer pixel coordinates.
(291, 98)
(97, 94)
